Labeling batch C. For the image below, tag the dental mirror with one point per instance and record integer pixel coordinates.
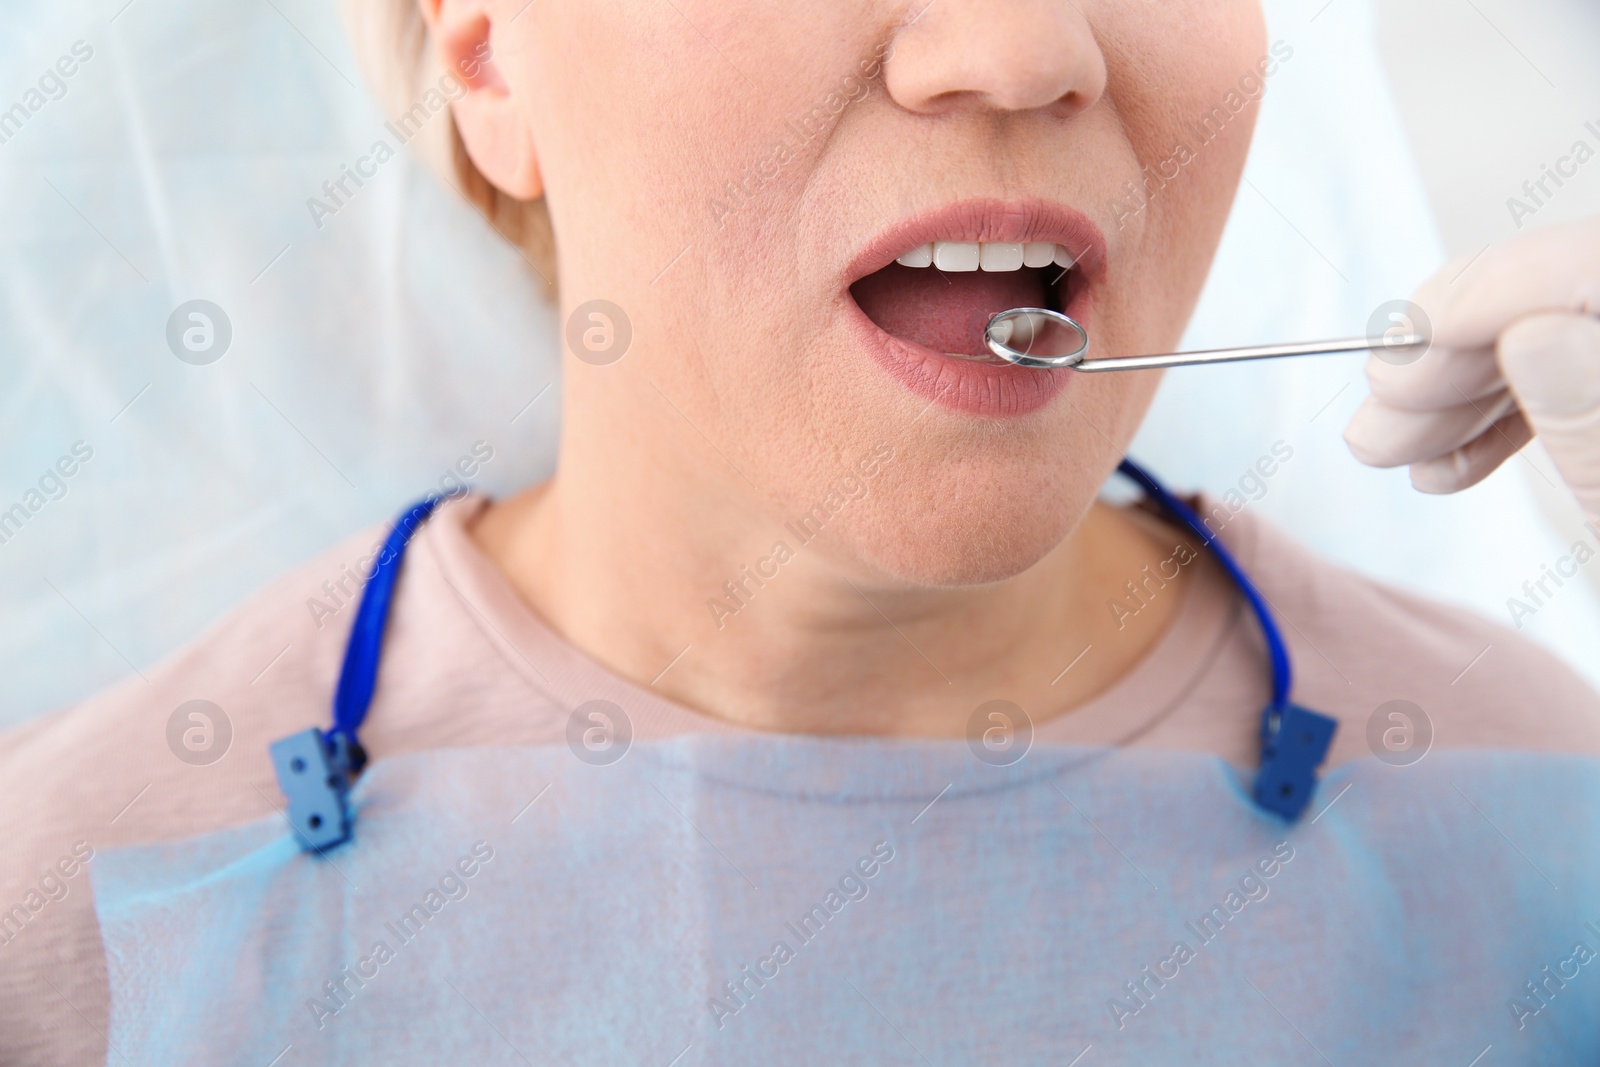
(1041, 338)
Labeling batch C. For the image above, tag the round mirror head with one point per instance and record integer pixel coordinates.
(1037, 337)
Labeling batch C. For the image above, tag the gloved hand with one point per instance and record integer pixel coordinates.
(1516, 352)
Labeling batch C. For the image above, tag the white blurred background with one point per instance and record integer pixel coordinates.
(372, 352)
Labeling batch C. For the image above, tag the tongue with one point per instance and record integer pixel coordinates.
(945, 311)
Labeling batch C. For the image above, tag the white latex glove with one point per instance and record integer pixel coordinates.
(1516, 352)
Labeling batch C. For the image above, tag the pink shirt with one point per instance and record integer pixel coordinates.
(466, 662)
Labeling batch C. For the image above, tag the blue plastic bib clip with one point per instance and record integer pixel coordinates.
(315, 771)
(1291, 750)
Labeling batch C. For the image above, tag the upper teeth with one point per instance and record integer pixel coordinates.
(988, 255)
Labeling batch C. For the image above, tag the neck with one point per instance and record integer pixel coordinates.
(708, 611)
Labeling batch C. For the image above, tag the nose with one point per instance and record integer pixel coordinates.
(995, 55)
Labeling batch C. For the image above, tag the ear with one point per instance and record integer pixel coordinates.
(488, 114)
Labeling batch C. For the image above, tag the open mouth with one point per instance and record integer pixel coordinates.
(942, 294)
(921, 294)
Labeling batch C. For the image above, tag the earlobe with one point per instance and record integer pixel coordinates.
(488, 114)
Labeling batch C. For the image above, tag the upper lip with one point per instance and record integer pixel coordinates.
(988, 220)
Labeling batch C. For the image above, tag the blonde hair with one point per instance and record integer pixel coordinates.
(390, 42)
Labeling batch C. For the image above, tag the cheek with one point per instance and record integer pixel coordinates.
(659, 128)
(1174, 63)
(677, 147)
(613, 119)
(1177, 81)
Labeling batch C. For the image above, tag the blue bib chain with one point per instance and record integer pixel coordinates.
(316, 770)
(1294, 740)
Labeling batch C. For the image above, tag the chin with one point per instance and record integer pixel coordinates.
(963, 530)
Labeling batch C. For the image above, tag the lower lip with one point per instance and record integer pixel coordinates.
(993, 390)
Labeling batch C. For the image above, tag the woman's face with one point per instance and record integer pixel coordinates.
(739, 180)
